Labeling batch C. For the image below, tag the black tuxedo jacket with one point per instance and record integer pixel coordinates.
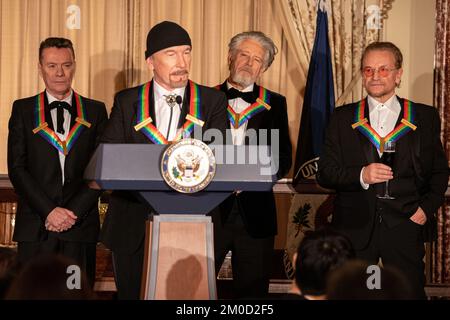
(258, 209)
(124, 227)
(420, 173)
(35, 172)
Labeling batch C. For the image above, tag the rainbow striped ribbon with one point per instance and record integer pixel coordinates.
(194, 115)
(405, 125)
(48, 134)
(261, 104)
(150, 131)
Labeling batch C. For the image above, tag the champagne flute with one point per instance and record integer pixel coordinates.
(387, 158)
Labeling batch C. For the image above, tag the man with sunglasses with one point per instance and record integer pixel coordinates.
(391, 229)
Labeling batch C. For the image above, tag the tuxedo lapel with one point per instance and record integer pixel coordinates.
(47, 149)
(73, 111)
(409, 145)
(402, 146)
(135, 111)
(223, 87)
(73, 116)
(72, 155)
(48, 116)
(151, 100)
(185, 106)
(368, 148)
(255, 121)
(151, 104)
(136, 104)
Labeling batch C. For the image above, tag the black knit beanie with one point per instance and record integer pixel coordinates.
(164, 35)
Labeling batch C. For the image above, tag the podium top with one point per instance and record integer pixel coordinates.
(137, 167)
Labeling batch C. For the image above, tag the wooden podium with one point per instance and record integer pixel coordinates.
(179, 242)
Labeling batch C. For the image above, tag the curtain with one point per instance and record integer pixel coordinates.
(96, 29)
(109, 37)
(440, 253)
(353, 24)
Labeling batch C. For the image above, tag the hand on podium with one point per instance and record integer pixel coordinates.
(93, 185)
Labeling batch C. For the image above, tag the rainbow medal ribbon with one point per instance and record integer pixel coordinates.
(405, 125)
(261, 104)
(144, 121)
(194, 115)
(48, 134)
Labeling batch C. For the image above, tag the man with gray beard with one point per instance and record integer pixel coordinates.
(246, 223)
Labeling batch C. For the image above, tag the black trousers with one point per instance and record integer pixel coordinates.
(83, 253)
(128, 273)
(401, 247)
(251, 259)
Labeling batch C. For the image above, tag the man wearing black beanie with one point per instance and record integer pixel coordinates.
(168, 100)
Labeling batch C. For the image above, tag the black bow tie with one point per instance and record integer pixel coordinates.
(246, 96)
(60, 106)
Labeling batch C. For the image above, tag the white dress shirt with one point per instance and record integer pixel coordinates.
(238, 106)
(383, 118)
(162, 111)
(66, 125)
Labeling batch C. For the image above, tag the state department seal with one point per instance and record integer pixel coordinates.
(188, 165)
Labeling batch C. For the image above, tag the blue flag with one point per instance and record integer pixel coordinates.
(318, 104)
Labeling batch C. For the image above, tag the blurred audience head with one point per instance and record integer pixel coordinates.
(320, 252)
(357, 280)
(50, 277)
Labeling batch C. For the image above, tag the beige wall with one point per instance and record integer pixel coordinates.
(411, 26)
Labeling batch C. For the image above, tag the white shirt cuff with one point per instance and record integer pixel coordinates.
(365, 186)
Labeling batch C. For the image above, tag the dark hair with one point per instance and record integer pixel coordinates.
(350, 282)
(45, 278)
(384, 46)
(320, 252)
(269, 47)
(55, 43)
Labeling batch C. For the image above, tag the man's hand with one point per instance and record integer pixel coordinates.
(60, 219)
(94, 185)
(376, 173)
(419, 217)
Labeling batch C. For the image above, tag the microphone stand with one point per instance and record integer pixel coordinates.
(178, 100)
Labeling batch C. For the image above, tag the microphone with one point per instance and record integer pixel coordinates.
(179, 100)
